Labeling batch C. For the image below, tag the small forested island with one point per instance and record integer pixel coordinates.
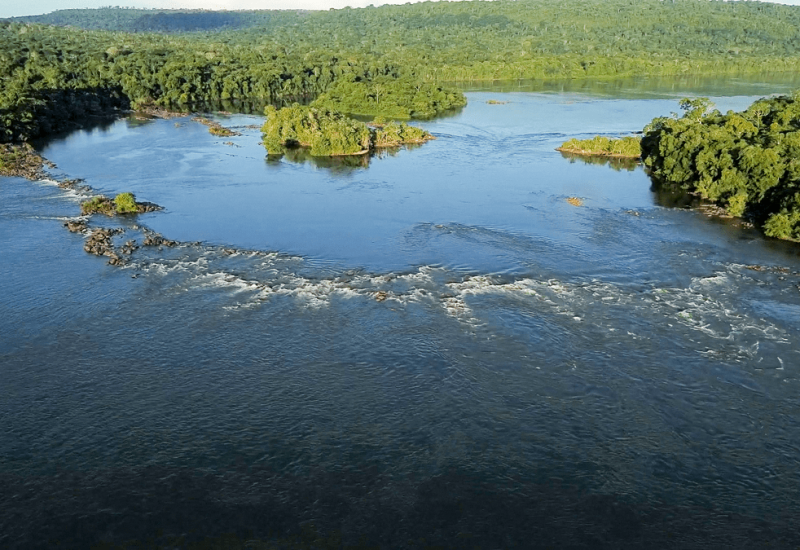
(330, 133)
(601, 146)
(123, 203)
(747, 162)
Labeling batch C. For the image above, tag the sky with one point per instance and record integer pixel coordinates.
(13, 8)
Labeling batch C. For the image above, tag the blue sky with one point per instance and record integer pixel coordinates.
(11, 8)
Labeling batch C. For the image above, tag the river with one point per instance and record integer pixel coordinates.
(436, 349)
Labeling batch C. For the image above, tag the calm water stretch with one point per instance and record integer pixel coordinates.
(434, 350)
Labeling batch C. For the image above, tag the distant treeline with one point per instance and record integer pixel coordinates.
(158, 20)
(503, 39)
(389, 60)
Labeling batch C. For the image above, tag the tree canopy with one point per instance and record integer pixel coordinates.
(327, 133)
(502, 39)
(54, 77)
(748, 162)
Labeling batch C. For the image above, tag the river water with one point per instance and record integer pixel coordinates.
(432, 350)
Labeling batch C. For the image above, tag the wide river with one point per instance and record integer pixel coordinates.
(436, 349)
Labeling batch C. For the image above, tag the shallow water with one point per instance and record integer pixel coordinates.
(434, 350)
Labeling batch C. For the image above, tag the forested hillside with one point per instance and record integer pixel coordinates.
(506, 39)
(164, 21)
(54, 77)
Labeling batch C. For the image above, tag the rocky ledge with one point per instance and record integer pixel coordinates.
(21, 161)
(100, 243)
(215, 128)
(154, 239)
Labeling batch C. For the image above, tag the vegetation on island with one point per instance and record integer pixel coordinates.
(394, 134)
(390, 96)
(124, 203)
(747, 162)
(327, 133)
(601, 146)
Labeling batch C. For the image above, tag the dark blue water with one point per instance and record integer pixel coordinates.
(434, 350)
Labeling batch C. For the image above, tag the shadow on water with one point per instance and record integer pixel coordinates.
(674, 197)
(60, 112)
(616, 163)
(459, 508)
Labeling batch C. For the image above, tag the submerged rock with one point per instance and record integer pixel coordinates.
(575, 201)
(154, 239)
(215, 128)
(129, 247)
(149, 110)
(76, 226)
(100, 243)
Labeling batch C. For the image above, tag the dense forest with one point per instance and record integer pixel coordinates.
(748, 162)
(502, 39)
(163, 21)
(54, 77)
(390, 60)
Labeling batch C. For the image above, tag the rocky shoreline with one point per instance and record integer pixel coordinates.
(21, 160)
(146, 111)
(215, 128)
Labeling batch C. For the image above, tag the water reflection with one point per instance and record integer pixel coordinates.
(647, 87)
(343, 164)
(616, 163)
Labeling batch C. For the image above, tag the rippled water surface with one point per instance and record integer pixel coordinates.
(434, 350)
